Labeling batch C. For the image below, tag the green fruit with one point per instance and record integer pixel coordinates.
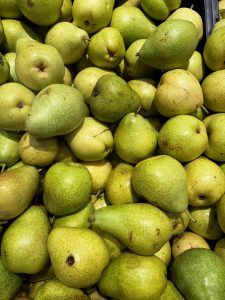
(171, 292)
(9, 147)
(9, 9)
(220, 210)
(4, 69)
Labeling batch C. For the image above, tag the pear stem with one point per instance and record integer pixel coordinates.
(101, 132)
(192, 6)
(205, 109)
(190, 217)
(3, 168)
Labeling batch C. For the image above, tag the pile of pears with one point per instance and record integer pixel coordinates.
(112, 150)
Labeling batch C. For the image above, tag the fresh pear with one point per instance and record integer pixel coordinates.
(4, 69)
(131, 276)
(218, 24)
(91, 141)
(179, 221)
(178, 93)
(16, 165)
(132, 23)
(24, 243)
(67, 79)
(41, 12)
(164, 253)
(171, 292)
(134, 223)
(78, 256)
(9, 147)
(162, 181)
(17, 189)
(118, 187)
(64, 153)
(11, 58)
(220, 211)
(219, 248)
(10, 283)
(199, 274)
(9, 9)
(106, 48)
(1, 30)
(56, 110)
(33, 287)
(67, 188)
(171, 45)
(95, 295)
(112, 98)
(115, 247)
(66, 11)
(196, 65)
(70, 40)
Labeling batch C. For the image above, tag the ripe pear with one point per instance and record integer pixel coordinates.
(134, 223)
(115, 247)
(1, 31)
(170, 46)
(11, 58)
(219, 248)
(171, 292)
(91, 141)
(9, 144)
(164, 253)
(132, 23)
(17, 189)
(67, 79)
(179, 221)
(4, 69)
(78, 256)
(24, 243)
(199, 274)
(218, 24)
(178, 93)
(196, 65)
(131, 276)
(66, 11)
(41, 12)
(67, 188)
(9, 9)
(162, 181)
(95, 295)
(70, 40)
(64, 153)
(57, 109)
(220, 210)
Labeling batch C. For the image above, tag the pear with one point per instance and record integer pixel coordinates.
(171, 45)
(33, 287)
(196, 65)
(17, 189)
(9, 147)
(219, 248)
(178, 93)
(132, 224)
(91, 141)
(135, 139)
(64, 106)
(171, 292)
(43, 65)
(54, 289)
(156, 122)
(78, 256)
(199, 274)
(112, 99)
(66, 11)
(1, 31)
(45, 274)
(67, 79)
(4, 69)
(220, 210)
(218, 24)
(16, 165)
(131, 276)
(132, 23)
(67, 188)
(164, 253)
(118, 187)
(106, 48)
(11, 58)
(9, 9)
(70, 40)
(10, 283)
(64, 153)
(39, 12)
(162, 181)
(115, 247)
(95, 295)
(24, 243)
(179, 222)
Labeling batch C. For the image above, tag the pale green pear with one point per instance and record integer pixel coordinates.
(134, 223)
(92, 15)
(9, 150)
(171, 292)
(33, 287)
(95, 295)
(218, 25)
(132, 276)
(70, 40)
(81, 257)
(1, 31)
(16, 165)
(66, 11)
(162, 181)
(220, 211)
(67, 79)
(132, 23)
(24, 243)
(17, 189)
(164, 253)
(179, 221)
(4, 69)
(196, 66)
(11, 58)
(115, 247)
(219, 248)
(9, 9)
(41, 12)
(45, 274)
(57, 109)
(91, 141)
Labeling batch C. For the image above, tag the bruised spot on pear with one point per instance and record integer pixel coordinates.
(20, 105)
(70, 260)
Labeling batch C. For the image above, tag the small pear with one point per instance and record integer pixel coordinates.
(4, 69)
(9, 147)
(11, 58)
(196, 66)
(64, 153)
(179, 221)
(164, 253)
(220, 210)
(219, 248)
(1, 31)
(171, 292)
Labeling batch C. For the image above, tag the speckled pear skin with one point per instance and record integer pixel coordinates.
(199, 274)
(171, 292)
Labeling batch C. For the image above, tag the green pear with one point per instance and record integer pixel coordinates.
(106, 48)
(132, 276)
(95, 295)
(159, 10)
(66, 11)
(218, 24)
(206, 182)
(162, 181)
(91, 141)
(118, 187)
(67, 188)
(178, 93)
(45, 274)
(17, 189)
(215, 126)
(157, 122)
(9, 144)
(171, 45)
(9, 9)
(70, 40)
(171, 292)
(53, 289)
(33, 287)
(219, 248)
(179, 221)
(199, 274)
(11, 58)
(10, 283)
(4, 69)
(135, 139)
(112, 99)
(196, 65)
(164, 253)
(1, 31)
(220, 211)
(204, 222)
(134, 223)
(132, 23)
(67, 79)
(41, 12)
(16, 165)
(92, 15)
(57, 109)
(43, 65)
(24, 243)
(115, 247)
(78, 256)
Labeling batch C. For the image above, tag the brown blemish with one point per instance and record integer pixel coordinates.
(198, 130)
(130, 236)
(158, 231)
(30, 3)
(70, 260)
(46, 92)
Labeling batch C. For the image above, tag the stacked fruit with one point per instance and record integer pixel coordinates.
(112, 149)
